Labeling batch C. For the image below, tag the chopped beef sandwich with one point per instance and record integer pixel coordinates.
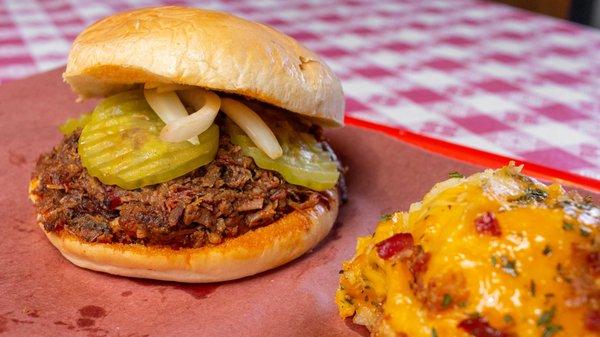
(204, 161)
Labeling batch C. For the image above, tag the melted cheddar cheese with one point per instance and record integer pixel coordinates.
(496, 251)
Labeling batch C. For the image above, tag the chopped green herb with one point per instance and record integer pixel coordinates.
(547, 250)
(455, 174)
(546, 316)
(567, 226)
(507, 265)
(533, 194)
(508, 319)
(462, 304)
(551, 330)
(446, 301)
(510, 267)
(72, 124)
(536, 194)
(434, 332)
(386, 217)
(532, 287)
(583, 232)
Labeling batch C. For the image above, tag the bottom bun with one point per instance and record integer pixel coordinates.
(251, 253)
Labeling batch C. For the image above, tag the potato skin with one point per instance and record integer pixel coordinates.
(496, 250)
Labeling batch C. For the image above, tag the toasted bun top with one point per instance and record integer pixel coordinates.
(203, 48)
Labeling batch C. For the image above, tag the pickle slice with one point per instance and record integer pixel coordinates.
(304, 161)
(72, 124)
(120, 145)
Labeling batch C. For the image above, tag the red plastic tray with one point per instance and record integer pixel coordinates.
(483, 158)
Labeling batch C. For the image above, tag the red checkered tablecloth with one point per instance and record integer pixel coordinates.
(470, 72)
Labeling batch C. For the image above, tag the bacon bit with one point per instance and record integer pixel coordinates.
(488, 224)
(593, 262)
(419, 261)
(480, 327)
(394, 245)
(592, 320)
(113, 202)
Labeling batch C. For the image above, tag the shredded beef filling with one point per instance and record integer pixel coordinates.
(223, 199)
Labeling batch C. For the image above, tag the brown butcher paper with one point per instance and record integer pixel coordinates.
(41, 293)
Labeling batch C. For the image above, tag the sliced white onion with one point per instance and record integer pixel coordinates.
(206, 103)
(253, 126)
(168, 107)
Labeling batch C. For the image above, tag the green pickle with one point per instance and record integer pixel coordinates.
(72, 124)
(120, 145)
(304, 161)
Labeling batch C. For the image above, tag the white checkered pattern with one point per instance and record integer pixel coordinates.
(474, 73)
